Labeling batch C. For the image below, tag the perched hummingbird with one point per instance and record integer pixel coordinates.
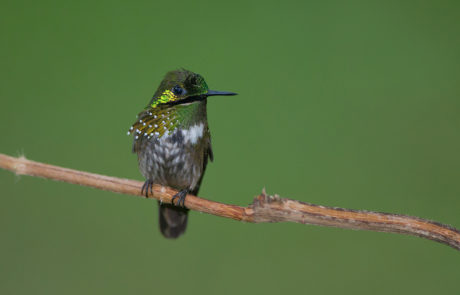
(173, 143)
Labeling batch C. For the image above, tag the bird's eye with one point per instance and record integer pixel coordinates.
(177, 90)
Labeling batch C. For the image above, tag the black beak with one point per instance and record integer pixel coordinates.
(222, 93)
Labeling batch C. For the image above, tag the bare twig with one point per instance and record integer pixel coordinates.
(265, 208)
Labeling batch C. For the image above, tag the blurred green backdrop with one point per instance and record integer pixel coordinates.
(342, 103)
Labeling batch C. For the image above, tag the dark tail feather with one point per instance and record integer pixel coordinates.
(173, 220)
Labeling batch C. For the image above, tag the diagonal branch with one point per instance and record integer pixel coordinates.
(265, 208)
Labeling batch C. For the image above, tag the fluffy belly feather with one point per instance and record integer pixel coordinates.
(175, 160)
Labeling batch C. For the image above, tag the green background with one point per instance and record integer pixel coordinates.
(342, 103)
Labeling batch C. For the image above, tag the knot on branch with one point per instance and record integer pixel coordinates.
(263, 199)
(268, 208)
(21, 167)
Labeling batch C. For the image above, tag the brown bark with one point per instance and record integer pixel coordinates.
(264, 208)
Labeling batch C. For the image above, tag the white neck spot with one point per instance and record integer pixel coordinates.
(193, 133)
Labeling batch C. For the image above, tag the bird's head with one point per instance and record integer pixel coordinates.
(182, 87)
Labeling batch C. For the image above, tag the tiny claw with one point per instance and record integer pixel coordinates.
(181, 196)
(148, 184)
(143, 188)
(151, 188)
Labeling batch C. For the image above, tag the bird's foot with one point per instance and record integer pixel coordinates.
(148, 185)
(181, 196)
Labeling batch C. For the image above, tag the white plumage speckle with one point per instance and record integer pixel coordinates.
(193, 133)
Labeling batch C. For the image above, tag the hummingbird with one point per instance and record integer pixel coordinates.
(173, 143)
